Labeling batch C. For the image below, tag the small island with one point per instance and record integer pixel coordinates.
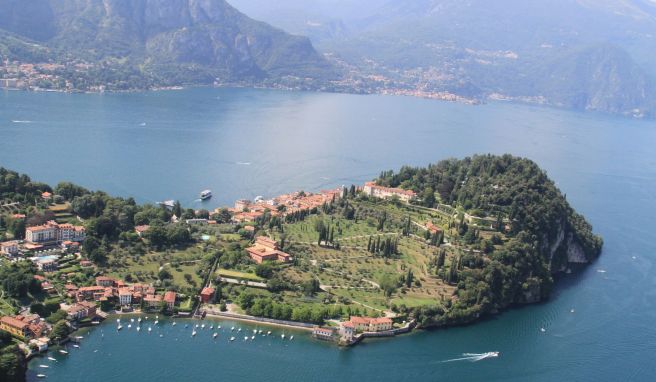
(438, 246)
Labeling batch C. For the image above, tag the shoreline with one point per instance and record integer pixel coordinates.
(219, 316)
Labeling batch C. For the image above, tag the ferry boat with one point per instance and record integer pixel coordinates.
(205, 194)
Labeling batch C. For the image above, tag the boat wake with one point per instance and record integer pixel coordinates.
(244, 163)
(474, 357)
(20, 121)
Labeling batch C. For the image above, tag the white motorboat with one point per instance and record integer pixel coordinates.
(205, 194)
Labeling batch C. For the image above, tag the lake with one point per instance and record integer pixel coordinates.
(243, 143)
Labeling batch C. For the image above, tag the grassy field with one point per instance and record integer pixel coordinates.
(238, 275)
(353, 273)
(146, 267)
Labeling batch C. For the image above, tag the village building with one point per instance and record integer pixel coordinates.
(125, 296)
(347, 331)
(369, 324)
(9, 248)
(207, 295)
(267, 249)
(152, 301)
(242, 204)
(71, 290)
(105, 281)
(47, 264)
(40, 344)
(326, 334)
(16, 328)
(54, 233)
(372, 189)
(169, 299)
(81, 310)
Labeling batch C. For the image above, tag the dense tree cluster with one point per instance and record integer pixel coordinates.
(541, 226)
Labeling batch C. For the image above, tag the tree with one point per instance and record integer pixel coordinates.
(177, 209)
(409, 277)
(310, 287)
(264, 270)
(60, 330)
(388, 284)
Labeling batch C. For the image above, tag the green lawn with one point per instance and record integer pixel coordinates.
(238, 275)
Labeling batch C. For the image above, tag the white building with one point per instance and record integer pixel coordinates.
(372, 189)
(54, 233)
(9, 247)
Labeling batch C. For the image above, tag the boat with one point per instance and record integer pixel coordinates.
(40, 375)
(232, 338)
(196, 325)
(205, 194)
(118, 320)
(52, 359)
(252, 338)
(138, 328)
(186, 325)
(269, 333)
(161, 336)
(63, 351)
(167, 203)
(146, 318)
(214, 335)
(255, 331)
(193, 333)
(239, 329)
(291, 338)
(132, 320)
(245, 338)
(543, 330)
(150, 329)
(79, 337)
(156, 322)
(232, 329)
(76, 346)
(260, 331)
(202, 326)
(139, 319)
(173, 323)
(119, 327)
(219, 327)
(44, 366)
(282, 336)
(129, 326)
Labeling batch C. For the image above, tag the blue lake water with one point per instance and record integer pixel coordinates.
(244, 143)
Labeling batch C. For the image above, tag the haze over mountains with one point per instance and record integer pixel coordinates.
(582, 54)
(190, 39)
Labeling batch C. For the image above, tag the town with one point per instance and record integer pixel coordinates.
(270, 256)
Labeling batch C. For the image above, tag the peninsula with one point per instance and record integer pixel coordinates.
(437, 246)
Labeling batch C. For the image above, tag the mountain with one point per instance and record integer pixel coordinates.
(205, 39)
(579, 54)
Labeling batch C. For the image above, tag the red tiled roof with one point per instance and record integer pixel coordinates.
(169, 296)
(14, 322)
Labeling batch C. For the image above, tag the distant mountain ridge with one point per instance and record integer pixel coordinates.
(580, 54)
(209, 37)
